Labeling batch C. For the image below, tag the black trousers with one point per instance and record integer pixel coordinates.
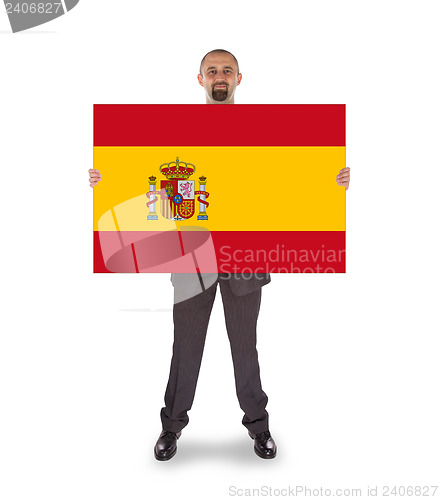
(191, 318)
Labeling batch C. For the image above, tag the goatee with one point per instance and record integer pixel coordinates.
(220, 95)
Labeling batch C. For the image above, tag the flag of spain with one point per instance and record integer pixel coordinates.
(231, 188)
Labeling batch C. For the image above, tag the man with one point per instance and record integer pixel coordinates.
(219, 76)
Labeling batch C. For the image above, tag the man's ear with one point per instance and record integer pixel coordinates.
(239, 79)
(200, 80)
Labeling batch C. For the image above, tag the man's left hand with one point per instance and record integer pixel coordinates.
(344, 177)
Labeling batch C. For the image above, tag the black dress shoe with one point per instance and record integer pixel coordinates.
(166, 446)
(265, 447)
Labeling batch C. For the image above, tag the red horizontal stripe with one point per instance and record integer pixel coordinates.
(220, 251)
(280, 251)
(203, 125)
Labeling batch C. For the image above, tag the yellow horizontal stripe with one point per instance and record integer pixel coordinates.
(251, 188)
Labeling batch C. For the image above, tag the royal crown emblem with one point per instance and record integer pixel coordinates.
(177, 169)
(177, 193)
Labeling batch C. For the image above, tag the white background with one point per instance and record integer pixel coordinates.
(349, 362)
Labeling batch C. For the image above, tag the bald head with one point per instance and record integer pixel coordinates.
(218, 51)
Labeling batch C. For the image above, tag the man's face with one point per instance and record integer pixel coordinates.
(219, 78)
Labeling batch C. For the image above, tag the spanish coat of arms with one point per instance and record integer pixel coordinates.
(177, 192)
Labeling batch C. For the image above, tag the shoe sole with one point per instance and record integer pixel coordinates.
(164, 459)
(260, 455)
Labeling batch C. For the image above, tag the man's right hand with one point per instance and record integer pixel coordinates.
(95, 177)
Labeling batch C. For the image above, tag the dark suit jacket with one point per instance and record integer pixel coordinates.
(241, 284)
(187, 285)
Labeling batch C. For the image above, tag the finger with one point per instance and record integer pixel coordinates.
(340, 183)
(346, 169)
(95, 177)
(344, 176)
(94, 170)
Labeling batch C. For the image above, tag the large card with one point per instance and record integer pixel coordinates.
(232, 188)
